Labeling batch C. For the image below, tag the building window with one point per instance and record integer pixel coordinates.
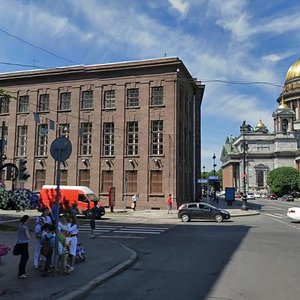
(157, 137)
(131, 177)
(87, 100)
(260, 178)
(86, 139)
(107, 181)
(284, 125)
(157, 96)
(64, 130)
(108, 139)
(132, 138)
(40, 179)
(110, 99)
(3, 144)
(132, 97)
(84, 178)
(63, 177)
(23, 104)
(65, 101)
(4, 104)
(21, 149)
(156, 181)
(42, 140)
(43, 103)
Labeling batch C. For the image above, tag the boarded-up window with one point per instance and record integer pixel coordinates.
(131, 181)
(40, 179)
(156, 181)
(107, 181)
(84, 178)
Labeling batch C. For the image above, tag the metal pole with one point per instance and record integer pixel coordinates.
(57, 215)
(244, 198)
(125, 194)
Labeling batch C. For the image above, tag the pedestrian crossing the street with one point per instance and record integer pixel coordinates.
(117, 230)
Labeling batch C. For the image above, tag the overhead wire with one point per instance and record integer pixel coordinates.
(37, 47)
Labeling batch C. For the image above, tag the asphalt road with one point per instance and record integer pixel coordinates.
(253, 257)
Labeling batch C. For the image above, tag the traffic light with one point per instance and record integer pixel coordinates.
(23, 174)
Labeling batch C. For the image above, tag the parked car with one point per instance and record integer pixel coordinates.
(202, 210)
(272, 197)
(294, 213)
(238, 195)
(257, 195)
(287, 197)
(221, 193)
(250, 196)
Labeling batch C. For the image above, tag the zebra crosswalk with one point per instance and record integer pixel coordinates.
(122, 230)
(276, 215)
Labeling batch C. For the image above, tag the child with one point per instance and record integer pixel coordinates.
(63, 250)
(47, 245)
(37, 245)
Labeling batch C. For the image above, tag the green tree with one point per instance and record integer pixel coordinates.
(283, 180)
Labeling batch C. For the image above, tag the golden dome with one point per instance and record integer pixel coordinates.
(260, 124)
(293, 71)
(282, 105)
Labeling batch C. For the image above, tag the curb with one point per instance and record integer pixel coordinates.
(255, 213)
(81, 292)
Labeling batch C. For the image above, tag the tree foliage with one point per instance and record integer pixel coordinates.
(283, 180)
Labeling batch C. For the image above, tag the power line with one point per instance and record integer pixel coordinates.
(37, 47)
(19, 65)
(243, 82)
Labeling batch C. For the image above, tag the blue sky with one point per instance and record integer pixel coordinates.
(227, 40)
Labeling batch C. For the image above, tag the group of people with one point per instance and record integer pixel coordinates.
(46, 243)
(136, 197)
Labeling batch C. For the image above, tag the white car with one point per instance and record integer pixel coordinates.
(294, 213)
(221, 193)
(257, 195)
(250, 196)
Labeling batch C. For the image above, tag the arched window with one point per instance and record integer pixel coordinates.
(284, 125)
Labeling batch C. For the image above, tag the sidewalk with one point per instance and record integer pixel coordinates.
(105, 259)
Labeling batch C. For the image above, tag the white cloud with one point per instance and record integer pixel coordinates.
(179, 5)
(281, 24)
(277, 57)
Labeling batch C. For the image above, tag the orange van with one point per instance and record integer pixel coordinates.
(82, 196)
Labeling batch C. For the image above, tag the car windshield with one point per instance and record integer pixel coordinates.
(92, 197)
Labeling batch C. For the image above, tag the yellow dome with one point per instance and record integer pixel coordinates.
(260, 124)
(282, 105)
(293, 71)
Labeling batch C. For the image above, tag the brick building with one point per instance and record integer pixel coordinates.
(134, 126)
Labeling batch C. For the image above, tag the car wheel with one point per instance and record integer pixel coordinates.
(219, 218)
(185, 218)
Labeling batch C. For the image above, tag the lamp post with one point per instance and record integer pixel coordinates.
(203, 175)
(214, 166)
(244, 128)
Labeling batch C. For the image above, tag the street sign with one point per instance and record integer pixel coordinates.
(61, 149)
(202, 180)
(213, 177)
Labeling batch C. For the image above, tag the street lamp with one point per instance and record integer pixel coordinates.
(203, 189)
(244, 128)
(214, 166)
